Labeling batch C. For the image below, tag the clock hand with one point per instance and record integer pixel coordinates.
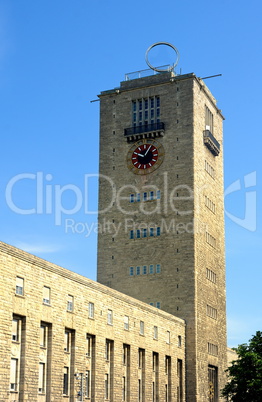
(139, 154)
(148, 150)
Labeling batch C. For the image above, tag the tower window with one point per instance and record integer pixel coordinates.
(211, 275)
(180, 379)
(124, 388)
(13, 374)
(142, 328)
(126, 322)
(91, 310)
(19, 289)
(41, 379)
(208, 119)
(155, 362)
(144, 107)
(211, 312)
(212, 349)
(15, 330)
(46, 295)
(43, 335)
(67, 341)
(144, 269)
(70, 303)
(66, 381)
(106, 386)
(210, 205)
(87, 384)
(152, 103)
(210, 240)
(213, 383)
(110, 350)
(155, 231)
(209, 169)
(141, 367)
(110, 317)
(151, 196)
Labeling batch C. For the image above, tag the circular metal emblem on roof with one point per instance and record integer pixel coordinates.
(161, 70)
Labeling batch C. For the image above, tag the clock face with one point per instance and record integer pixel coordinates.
(145, 156)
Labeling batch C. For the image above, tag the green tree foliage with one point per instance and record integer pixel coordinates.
(245, 373)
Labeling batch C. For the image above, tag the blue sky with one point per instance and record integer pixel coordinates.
(56, 56)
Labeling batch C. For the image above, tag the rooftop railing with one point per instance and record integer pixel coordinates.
(146, 73)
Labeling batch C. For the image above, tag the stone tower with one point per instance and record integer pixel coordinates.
(161, 216)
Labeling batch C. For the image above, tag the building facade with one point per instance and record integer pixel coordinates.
(161, 212)
(64, 337)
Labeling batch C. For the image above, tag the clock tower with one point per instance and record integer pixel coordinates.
(161, 216)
